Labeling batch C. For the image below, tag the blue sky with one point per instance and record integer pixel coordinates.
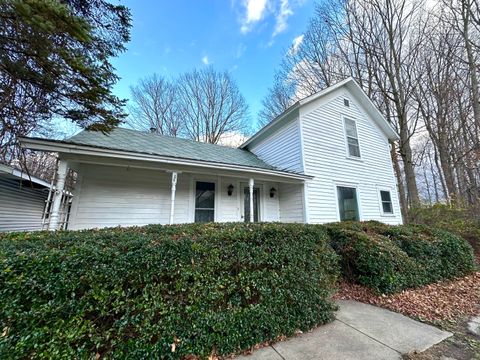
(246, 37)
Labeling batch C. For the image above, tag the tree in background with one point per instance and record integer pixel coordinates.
(419, 64)
(155, 107)
(55, 63)
(203, 105)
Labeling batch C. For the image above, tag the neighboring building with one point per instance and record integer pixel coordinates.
(326, 158)
(22, 200)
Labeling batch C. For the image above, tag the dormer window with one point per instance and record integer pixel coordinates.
(351, 135)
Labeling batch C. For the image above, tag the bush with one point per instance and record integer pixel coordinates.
(392, 258)
(161, 292)
(462, 221)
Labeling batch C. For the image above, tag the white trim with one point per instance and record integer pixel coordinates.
(379, 196)
(193, 181)
(345, 137)
(55, 146)
(306, 215)
(23, 175)
(355, 186)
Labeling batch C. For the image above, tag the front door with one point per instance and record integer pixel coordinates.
(246, 204)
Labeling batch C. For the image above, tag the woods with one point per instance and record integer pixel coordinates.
(203, 105)
(419, 63)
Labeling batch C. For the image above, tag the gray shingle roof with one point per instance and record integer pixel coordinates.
(155, 144)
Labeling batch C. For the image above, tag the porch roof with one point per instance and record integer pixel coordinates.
(151, 146)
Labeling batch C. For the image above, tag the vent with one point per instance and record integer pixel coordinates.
(346, 102)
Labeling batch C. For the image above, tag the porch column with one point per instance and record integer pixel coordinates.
(57, 198)
(172, 201)
(251, 182)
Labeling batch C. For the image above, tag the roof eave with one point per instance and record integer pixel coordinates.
(69, 148)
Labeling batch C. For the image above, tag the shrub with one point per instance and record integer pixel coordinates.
(392, 258)
(462, 221)
(161, 292)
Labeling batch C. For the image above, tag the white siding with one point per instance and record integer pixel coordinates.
(21, 207)
(325, 158)
(118, 196)
(282, 149)
(291, 203)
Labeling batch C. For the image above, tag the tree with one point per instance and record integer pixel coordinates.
(54, 62)
(154, 106)
(211, 105)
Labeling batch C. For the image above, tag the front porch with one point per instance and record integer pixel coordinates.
(119, 192)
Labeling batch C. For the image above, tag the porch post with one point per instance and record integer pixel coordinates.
(251, 182)
(57, 199)
(172, 202)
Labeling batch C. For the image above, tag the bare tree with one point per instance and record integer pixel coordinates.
(211, 105)
(154, 106)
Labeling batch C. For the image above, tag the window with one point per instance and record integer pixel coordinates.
(347, 203)
(204, 202)
(346, 102)
(352, 138)
(387, 207)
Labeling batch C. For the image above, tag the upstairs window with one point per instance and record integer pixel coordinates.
(352, 138)
(386, 198)
(204, 202)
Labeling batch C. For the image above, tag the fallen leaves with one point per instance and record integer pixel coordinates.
(439, 301)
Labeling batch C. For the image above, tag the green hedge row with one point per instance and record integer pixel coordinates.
(161, 292)
(391, 258)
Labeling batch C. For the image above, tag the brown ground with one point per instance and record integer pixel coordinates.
(440, 301)
(447, 304)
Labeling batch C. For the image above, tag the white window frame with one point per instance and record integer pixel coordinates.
(347, 149)
(379, 192)
(193, 189)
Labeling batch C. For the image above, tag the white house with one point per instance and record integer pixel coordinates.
(326, 158)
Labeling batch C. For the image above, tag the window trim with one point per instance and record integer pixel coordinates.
(345, 136)
(193, 194)
(356, 186)
(379, 192)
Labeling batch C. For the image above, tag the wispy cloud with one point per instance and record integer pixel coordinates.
(206, 60)
(296, 44)
(282, 16)
(255, 11)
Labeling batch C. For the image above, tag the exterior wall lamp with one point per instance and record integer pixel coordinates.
(230, 190)
(273, 191)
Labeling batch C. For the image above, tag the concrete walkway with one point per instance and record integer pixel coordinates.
(359, 332)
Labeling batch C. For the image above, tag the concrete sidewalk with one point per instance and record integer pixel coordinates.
(359, 332)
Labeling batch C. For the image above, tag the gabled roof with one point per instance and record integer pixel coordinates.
(354, 88)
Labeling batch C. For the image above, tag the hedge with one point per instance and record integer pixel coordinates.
(392, 258)
(161, 292)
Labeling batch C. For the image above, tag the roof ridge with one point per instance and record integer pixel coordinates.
(173, 138)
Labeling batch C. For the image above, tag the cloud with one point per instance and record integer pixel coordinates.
(296, 44)
(255, 11)
(281, 17)
(206, 60)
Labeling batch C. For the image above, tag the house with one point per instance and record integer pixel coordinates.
(326, 158)
(22, 200)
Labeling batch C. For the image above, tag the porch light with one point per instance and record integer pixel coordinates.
(273, 191)
(230, 189)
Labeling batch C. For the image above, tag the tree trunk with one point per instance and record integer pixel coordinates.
(401, 187)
